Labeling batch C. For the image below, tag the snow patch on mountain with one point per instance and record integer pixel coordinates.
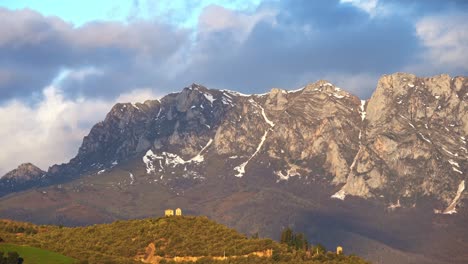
(297, 90)
(425, 139)
(241, 168)
(209, 97)
(171, 159)
(199, 157)
(148, 159)
(136, 106)
(132, 178)
(451, 209)
(285, 177)
(395, 205)
(363, 109)
(236, 93)
(269, 122)
(341, 195)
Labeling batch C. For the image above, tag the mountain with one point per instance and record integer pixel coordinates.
(414, 142)
(284, 158)
(25, 176)
(172, 239)
(25, 172)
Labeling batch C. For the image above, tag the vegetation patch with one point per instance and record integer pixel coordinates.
(170, 240)
(32, 255)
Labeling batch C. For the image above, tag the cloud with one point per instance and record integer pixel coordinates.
(303, 38)
(369, 6)
(35, 49)
(51, 131)
(215, 19)
(445, 38)
(273, 45)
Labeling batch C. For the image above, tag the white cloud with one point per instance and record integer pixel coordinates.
(136, 96)
(216, 18)
(370, 6)
(446, 39)
(359, 84)
(51, 131)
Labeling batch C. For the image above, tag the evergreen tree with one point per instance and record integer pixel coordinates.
(287, 236)
(255, 235)
(12, 258)
(295, 241)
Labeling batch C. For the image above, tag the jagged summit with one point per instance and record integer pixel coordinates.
(24, 172)
(415, 141)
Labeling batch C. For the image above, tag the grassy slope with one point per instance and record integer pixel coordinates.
(121, 241)
(32, 255)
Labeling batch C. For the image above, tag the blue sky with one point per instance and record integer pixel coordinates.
(181, 12)
(63, 66)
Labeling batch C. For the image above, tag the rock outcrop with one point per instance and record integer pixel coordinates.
(413, 140)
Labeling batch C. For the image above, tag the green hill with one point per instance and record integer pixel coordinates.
(164, 239)
(32, 255)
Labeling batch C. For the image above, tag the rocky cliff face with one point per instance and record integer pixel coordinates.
(407, 142)
(413, 142)
(311, 134)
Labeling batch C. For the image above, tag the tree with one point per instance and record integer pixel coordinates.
(296, 241)
(12, 258)
(318, 249)
(287, 236)
(255, 235)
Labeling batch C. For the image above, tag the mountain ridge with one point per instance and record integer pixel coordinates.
(262, 162)
(134, 122)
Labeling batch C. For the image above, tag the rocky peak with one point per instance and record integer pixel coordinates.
(193, 95)
(413, 141)
(24, 172)
(277, 99)
(321, 86)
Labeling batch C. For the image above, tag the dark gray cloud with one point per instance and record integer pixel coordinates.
(281, 44)
(35, 49)
(309, 38)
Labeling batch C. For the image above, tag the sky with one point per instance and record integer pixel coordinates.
(63, 64)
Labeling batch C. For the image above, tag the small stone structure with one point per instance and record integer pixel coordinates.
(169, 212)
(178, 211)
(339, 250)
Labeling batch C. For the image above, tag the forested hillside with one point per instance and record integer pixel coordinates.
(166, 240)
